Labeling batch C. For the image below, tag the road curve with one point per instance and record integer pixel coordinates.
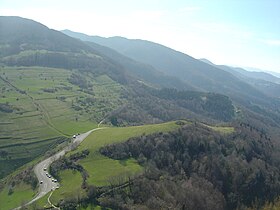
(47, 183)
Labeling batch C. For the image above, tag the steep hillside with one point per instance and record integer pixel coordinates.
(261, 75)
(196, 73)
(20, 34)
(272, 72)
(53, 86)
(141, 70)
(197, 168)
(276, 74)
(42, 107)
(262, 81)
(258, 100)
(25, 42)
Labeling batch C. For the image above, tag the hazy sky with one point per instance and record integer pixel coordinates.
(233, 32)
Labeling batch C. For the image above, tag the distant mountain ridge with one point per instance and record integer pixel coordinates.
(24, 34)
(274, 73)
(202, 76)
(147, 82)
(225, 141)
(155, 64)
(59, 83)
(29, 43)
(50, 48)
(252, 72)
(25, 42)
(206, 61)
(264, 82)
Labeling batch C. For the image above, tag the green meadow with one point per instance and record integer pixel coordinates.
(40, 108)
(70, 186)
(221, 129)
(102, 170)
(22, 193)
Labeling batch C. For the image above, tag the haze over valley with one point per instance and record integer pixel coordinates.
(109, 121)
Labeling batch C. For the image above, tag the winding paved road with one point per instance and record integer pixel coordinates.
(48, 185)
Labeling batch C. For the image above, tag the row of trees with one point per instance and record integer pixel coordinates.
(70, 163)
(68, 60)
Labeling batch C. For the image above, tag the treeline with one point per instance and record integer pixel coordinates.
(197, 168)
(68, 60)
(215, 105)
(70, 163)
(140, 104)
(149, 105)
(79, 80)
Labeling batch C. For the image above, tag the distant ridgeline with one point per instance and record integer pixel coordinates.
(61, 86)
(60, 83)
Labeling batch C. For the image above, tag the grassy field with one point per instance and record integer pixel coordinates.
(21, 194)
(106, 136)
(71, 181)
(103, 170)
(221, 129)
(44, 108)
(39, 109)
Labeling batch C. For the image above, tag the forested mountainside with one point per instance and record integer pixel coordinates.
(198, 168)
(142, 70)
(254, 74)
(220, 149)
(203, 76)
(258, 97)
(264, 82)
(49, 78)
